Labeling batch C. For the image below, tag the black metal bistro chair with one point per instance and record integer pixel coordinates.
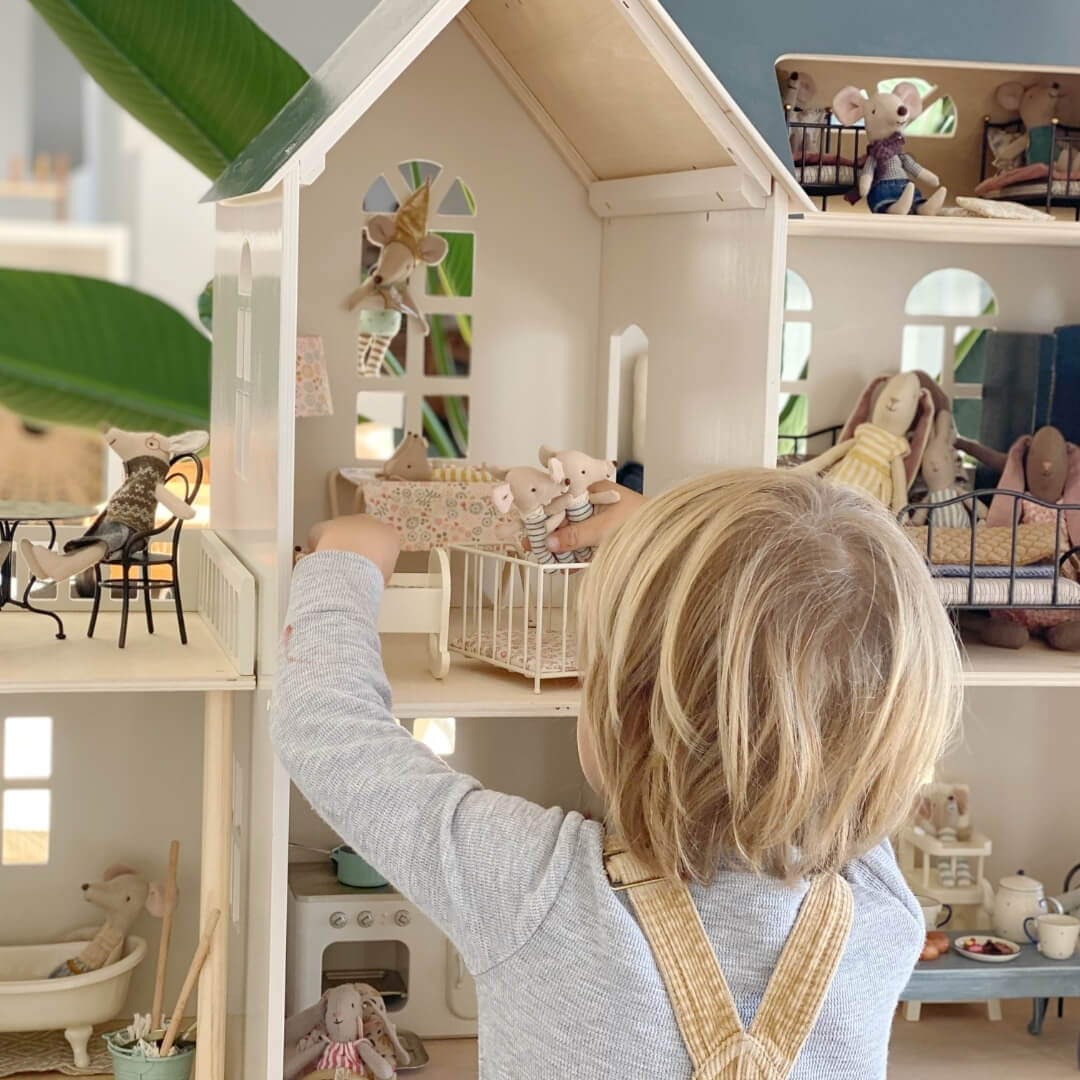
(136, 555)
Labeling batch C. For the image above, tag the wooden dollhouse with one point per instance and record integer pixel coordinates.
(609, 193)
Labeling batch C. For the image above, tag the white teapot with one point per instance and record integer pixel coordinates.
(1018, 897)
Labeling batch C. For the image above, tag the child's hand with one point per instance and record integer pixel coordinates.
(605, 519)
(360, 534)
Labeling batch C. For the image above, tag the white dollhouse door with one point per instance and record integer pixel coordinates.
(251, 508)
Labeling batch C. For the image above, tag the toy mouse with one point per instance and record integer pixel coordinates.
(582, 472)
(409, 460)
(405, 243)
(885, 179)
(536, 495)
(1046, 466)
(121, 894)
(331, 1036)
(1037, 106)
(875, 455)
(131, 509)
(797, 91)
(939, 470)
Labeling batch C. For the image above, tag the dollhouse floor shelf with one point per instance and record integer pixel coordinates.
(33, 661)
(471, 688)
(1036, 664)
(936, 230)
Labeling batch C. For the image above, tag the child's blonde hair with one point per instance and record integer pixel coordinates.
(769, 676)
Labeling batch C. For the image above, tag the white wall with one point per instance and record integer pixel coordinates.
(1018, 751)
(534, 359)
(859, 288)
(15, 24)
(127, 779)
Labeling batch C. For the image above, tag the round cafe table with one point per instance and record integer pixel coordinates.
(16, 512)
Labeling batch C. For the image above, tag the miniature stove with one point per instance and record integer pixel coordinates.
(341, 934)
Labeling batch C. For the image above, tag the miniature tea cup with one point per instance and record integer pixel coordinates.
(931, 909)
(1055, 935)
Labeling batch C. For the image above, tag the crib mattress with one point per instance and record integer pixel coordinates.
(517, 650)
(993, 591)
(825, 174)
(1013, 191)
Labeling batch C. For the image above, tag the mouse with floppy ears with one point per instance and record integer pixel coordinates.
(886, 178)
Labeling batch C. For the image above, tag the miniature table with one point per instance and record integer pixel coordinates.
(953, 977)
(16, 512)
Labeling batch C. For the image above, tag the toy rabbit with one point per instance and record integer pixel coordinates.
(121, 894)
(385, 296)
(331, 1036)
(875, 455)
(535, 495)
(132, 508)
(1046, 466)
(884, 177)
(939, 469)
(582, 472)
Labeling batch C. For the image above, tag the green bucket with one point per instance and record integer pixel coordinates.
(130, 1064)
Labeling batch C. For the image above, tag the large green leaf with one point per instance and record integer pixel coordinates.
(79, 350)
(198, 73)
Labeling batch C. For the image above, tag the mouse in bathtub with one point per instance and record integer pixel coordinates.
(886, 178)
(122, 894)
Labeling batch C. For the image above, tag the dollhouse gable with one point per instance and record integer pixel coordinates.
(613, 86)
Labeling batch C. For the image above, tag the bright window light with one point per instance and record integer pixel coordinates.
(25, 817)
(437, 733)
(27, 748)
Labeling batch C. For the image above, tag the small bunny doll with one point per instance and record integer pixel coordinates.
(939, 470)
(884, 177)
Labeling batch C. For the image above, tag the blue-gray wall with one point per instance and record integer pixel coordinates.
(741, 40)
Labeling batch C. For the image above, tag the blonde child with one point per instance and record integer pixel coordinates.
(768, 678)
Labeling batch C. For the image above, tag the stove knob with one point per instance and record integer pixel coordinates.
(338, 919)
(402, 918)
(365, 919)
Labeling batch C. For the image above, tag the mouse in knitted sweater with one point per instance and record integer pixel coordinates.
(131, 509)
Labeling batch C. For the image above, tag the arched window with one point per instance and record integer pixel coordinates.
(795, 348)
(403, 393)
(946, 316)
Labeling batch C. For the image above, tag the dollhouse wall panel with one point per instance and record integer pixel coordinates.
(125, 780)
(536, 271)
(859, 292)
(704, 288)
(251, 507)
(1018, 752)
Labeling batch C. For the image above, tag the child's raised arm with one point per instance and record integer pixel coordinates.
(485, 867)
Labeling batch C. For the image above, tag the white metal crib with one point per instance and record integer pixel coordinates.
(517, 614)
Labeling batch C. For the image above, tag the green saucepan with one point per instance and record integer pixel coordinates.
(352, 870)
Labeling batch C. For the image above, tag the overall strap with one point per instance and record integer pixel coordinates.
(811, 955)
(700, 997)
(684, 956)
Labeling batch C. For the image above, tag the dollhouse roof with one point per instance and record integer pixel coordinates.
(615, 87)
(742, 41)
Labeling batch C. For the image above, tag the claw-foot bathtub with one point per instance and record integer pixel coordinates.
(30, 1001)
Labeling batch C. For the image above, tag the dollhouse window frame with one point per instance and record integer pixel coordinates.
(36, 781)
(798, 311)
(242, 385)
(950, 324)
(414, 385)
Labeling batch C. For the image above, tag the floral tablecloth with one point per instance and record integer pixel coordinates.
(435, 513)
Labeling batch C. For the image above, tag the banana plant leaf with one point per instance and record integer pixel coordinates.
(198, 73)
(80, 350)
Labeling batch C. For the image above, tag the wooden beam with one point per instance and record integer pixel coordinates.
(215, 881)
(526, 98)
(727, 188)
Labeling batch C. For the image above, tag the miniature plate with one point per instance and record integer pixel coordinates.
(987, 958)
